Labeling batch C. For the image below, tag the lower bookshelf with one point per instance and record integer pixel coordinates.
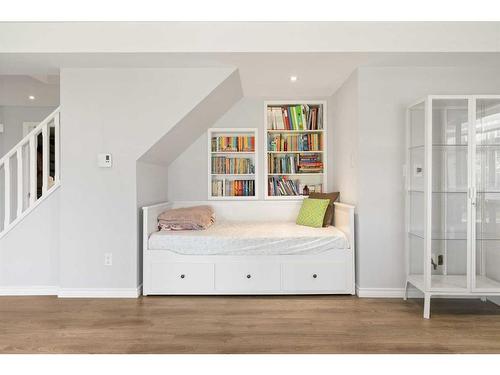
(232, 167)
(232, 186)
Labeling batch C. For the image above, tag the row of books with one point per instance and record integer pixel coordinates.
(294, 142)
(283, 186)
(279, 186)
(310, 163)
(240, 143)
(233, 188)
(295, 163)
(295, 117)
(226, 165)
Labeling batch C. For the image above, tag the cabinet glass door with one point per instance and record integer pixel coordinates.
(486, 254)
(449, 203)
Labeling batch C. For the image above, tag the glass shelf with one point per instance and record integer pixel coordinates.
(459, 236)
(491, 145)
(439, 192)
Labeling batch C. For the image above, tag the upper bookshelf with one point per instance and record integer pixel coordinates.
(295, 157)
(232, 167)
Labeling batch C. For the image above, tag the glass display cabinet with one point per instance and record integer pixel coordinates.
(453, 196)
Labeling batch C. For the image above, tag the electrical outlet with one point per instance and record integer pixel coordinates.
(108, 259)
(440, 260)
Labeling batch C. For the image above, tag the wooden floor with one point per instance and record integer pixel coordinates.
(264, 324)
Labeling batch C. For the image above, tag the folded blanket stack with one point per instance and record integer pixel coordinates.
(187, 218)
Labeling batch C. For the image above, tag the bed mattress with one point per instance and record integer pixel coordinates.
(250, 238)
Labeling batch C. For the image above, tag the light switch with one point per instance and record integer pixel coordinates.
(1, 128)
(104, 161)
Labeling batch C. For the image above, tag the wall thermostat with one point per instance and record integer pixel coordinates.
(104, 161)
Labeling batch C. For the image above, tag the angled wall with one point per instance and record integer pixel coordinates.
(196, 122)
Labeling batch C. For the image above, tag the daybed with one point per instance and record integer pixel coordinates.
(249, 257)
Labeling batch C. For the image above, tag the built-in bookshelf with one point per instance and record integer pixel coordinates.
(295, 148)
(232, 164)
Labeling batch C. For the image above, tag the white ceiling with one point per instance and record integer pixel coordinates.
(15, 90)
(262, 74)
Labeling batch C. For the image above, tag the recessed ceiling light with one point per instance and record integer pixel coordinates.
(31, 97)
(293, 78)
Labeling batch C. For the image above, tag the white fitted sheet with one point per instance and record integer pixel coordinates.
(250, 238)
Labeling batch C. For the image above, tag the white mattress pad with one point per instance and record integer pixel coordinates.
(250, 238)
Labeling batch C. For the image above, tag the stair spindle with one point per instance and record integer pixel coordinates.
(45, 158)
(6, 168)
(20, 186)
(33, 177)
(56, 147)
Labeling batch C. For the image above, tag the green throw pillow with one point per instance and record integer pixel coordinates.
(312, 212)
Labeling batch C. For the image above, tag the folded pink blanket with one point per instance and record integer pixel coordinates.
(187, 218)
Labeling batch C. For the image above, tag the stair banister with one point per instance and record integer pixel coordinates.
(30, 140)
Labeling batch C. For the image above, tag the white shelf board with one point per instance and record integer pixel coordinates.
(295, 174)
(295, 152)
(295, 131)
(286, 197)
(234, 174)
(232, 152)
(483, 282)
(231, 198)
(251, 175)
(454, 282)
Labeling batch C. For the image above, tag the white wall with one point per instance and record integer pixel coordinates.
(29, 252)
(384, 94)
(151, 188)
(343, 140)
(124, 112)
(188, 173)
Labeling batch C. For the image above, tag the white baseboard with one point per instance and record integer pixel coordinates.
(100, 292)
(71, 292)
(380, 292)
(28, 290)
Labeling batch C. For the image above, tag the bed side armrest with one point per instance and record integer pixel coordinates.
(150, 220)
(344, 220)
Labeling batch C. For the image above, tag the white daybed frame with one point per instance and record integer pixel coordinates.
(166, 272)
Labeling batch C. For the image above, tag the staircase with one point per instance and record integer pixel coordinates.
(30, 172)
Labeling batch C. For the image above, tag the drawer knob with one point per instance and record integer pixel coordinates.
(315, 276)
(183, 276)
(249, 276)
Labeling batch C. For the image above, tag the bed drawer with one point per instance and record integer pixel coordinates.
(330, 276)
(247, 277)
(182, 277)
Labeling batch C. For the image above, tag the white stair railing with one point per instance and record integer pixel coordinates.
(27, 197)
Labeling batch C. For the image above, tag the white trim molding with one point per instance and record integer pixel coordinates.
(100, 292)
(380, 292)
(28, 291)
